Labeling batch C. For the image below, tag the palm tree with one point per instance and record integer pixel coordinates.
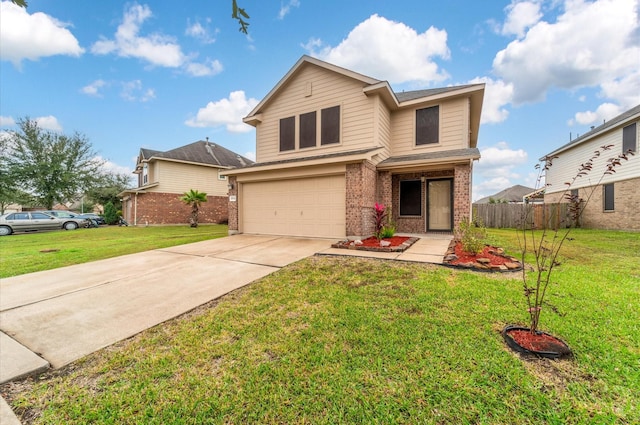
(194, 198)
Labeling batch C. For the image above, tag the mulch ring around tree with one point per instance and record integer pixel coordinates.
(393, 244)
(491, 259)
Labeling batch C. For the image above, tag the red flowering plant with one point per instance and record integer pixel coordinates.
(380, 220)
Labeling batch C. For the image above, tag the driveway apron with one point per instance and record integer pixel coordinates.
(67, 313)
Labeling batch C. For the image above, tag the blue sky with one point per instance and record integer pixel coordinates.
(161, 74)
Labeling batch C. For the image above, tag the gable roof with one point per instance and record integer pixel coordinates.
(617, 121)
(511, 194)
(200, 152)
(373, 86)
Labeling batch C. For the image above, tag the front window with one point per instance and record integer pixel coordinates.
(287, 134)
(410, 197)
(608, 197)
(629, 137)
(427, 125)
(330, 126)
(308, 130)
(220, 176)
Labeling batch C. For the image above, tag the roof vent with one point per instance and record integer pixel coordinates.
(207, 146)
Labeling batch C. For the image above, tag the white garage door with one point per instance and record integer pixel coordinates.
(298, 207)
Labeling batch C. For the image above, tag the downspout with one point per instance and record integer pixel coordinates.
(135, 210)
(470, 189)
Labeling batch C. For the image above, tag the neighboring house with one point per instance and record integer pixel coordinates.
(615, 201)
(513, 195)
(330, 143)
(164, 176)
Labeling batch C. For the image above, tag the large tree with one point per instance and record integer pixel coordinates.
(107, 189)
(53, 168)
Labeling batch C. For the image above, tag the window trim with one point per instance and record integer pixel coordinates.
(314, 132)
(221, 177)
(416, 128)
(287, 121)
(322, 128)
(608, 194)
(420, 201)
(629, 138)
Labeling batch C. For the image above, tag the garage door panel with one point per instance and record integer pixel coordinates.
(299, 207)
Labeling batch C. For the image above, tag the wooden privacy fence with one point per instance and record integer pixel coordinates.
(512, 215)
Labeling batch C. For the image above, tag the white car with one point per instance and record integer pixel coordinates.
(32, 221)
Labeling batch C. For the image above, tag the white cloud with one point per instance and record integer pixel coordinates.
(7, 121)
(93, 89)
(225, 112)
(520, 17)
(497, 94)
(199, 32)
(157, 49)
(26, 36)
(211, 67)
(590, 44)
(48, 123)
(390, 50)
(495, 170)
(286, 8)
(134, 92)
(604, 112)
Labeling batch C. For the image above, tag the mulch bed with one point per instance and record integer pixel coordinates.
(490, 259)
(396, 244)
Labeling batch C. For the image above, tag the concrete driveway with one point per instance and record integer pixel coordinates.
(67, 313)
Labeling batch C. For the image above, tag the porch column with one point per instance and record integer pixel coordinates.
(360, 199)
(385, 194)
(461, 194)
(233, 206)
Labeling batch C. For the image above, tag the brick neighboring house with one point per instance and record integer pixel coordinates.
(164, 176)
(615, 201)
(331, 142)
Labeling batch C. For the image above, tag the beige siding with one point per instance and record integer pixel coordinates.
(565, 167)
(327, 89)
(454, 128)
(383, 128)
(176, 177)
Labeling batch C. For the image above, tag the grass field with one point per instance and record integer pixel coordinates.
(31, 252)
(337, 340)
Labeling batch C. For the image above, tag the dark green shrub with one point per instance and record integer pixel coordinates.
(110, 214)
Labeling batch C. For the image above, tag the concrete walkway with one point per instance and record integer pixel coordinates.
(54, 317)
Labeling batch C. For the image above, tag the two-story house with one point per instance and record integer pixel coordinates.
(614, 198)
(164, 176)
(331, 142)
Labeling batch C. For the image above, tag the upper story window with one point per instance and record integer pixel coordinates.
(308, 130)
(629, 137)
(145, 173)
(287, 134)
(330, 126)
(427, 125)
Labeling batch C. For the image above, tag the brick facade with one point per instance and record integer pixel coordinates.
(461, 194)
(233, 206)
(624, 215)
(360, 182)
(167, 208)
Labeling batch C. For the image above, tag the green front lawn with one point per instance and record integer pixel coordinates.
(31, 252)
(338, 340)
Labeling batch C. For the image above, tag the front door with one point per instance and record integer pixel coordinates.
(440, 205)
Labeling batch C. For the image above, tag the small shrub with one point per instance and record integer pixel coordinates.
(110, 214)
(387, 231)
(472, 235)
(379, 219)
